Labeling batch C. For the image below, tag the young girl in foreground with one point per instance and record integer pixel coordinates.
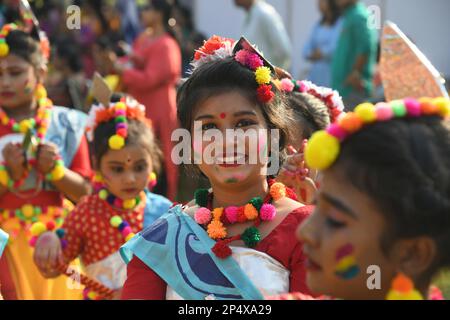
(383, 203)
(126, 155)
(187, 254)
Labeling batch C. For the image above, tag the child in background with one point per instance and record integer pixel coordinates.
(44, 158)
(383, 207)
(126, 156)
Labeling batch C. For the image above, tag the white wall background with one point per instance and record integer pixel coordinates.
(426, 22)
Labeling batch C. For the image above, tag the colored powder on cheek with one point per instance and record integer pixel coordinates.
(346, 267)
(344, 251)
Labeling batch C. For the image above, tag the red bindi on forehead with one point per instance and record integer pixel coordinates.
(223, 115)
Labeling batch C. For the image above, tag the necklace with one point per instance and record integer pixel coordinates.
(215, 220)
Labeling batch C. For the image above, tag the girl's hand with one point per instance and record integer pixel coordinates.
(15, 160)
(48, 254)
(46, 158)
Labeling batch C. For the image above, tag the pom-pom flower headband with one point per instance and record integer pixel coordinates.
(4, 47)
(329, 97)
(324, 146)
(218, 48)
(120, 112)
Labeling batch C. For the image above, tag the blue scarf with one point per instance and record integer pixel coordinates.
(179, 251)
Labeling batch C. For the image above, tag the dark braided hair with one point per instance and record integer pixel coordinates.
(404, 166)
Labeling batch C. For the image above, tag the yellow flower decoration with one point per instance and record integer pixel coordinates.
(322, 150)
(263, 75)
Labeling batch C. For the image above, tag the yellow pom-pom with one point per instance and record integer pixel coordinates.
(397, 295)
(4, 49)
(444, 106)
(24, 126)
(152, 176)
(37, 229)
(92, 295)
(250, 212)
(40, 92)
(217, 213)
(28, 210)
(4, 178)
(129, 204)
(120, 106)
(216, 230)
(366, 111)
(116, 142)
(58, 173)
(129, 236)
(115, 221)
(263, 75)
(278, 191)
(322, 150)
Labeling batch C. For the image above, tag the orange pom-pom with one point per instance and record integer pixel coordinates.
(278, 191)
(250, 212)
(217, 213)
(216, 230)
(402, 283)
(427, 106)
(351, 122)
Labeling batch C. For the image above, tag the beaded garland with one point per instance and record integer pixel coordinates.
(214, 221)
(6, 29)
(324, 146)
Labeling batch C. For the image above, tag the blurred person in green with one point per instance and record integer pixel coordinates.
(354, 59)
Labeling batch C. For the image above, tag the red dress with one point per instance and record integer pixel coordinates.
(281, 244)
(153, 83)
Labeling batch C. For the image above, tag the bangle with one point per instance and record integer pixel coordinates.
(57, 172)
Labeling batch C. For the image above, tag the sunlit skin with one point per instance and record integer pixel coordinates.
(240, 114)
(18, 82)
(344, 216)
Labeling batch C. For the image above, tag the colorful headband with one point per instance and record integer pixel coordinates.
(120, 112)
(324, 146)
(218, 48)
(4, 47)
(329, 97)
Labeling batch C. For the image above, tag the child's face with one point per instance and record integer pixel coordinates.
(17, 81)
(126, 171)
(230, 161)
(342, 238)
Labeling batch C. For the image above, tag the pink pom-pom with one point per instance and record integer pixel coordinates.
(242, 56)
(117, 202)
(254, 61)
(202, 216)
(336, 131)
(287, 85)
(126, 231)
(267, 212)
(120, 113)
(232, 214)
(32, 241)
(384, 111)
(303, 87)
(413, 107)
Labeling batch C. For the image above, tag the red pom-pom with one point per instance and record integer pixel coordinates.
(241, 217)
(265, 93)
(51, 225)
(122, 132)
(221, 250)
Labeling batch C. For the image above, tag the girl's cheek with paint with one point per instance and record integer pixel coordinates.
(346, 267)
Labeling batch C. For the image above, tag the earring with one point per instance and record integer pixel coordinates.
(402, 288)
(152, 180)
(40, 92)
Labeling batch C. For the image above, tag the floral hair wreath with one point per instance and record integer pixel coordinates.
(324, 146)
(120, 112)
(329, 97)
(218, 48)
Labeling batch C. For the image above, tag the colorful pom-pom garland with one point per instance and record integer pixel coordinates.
(263, 74)
(215, 220)
(329, 97)
(111, 199)
(123, 226)
(324, 146)
(4, 47)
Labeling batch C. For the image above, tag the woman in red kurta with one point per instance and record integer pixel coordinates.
(152, 80)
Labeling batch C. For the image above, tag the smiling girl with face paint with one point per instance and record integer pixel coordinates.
(383, 202)
(236, 240)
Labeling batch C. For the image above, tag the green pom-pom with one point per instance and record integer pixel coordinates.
(120, 119)
(37, 210)
(103, 194)
(251, 237)
(256, 202)
(16, 127)
(399, 108)
(201, 197)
